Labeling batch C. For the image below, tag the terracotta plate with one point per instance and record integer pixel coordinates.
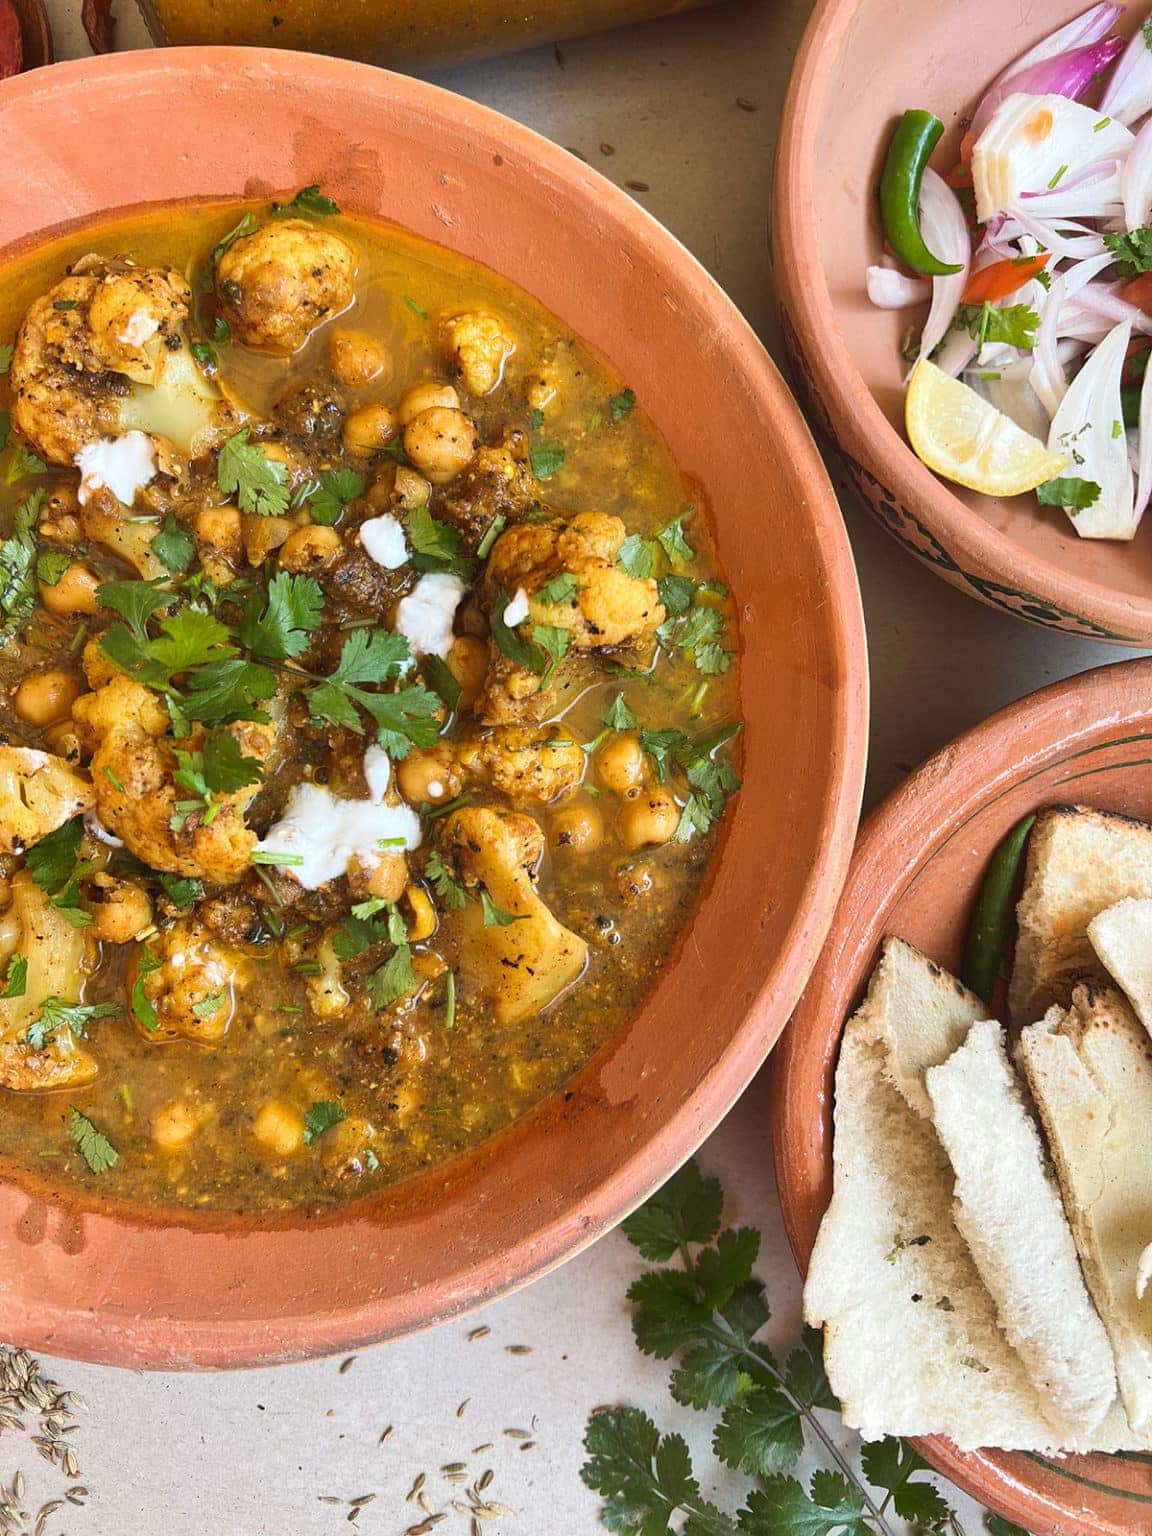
(120, 1285)
(916, 870)
(862, 63)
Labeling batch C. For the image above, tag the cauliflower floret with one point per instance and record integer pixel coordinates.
(125, 726)
(54, 950)
(103, 352)
(188, 980)
(498, 482)
(481, 344)
(38, 793)
(525, 762)
(526, 964)
(277, 285)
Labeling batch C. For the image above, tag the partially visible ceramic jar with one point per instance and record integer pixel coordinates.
(400, 32)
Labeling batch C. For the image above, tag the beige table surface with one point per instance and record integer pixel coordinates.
(249, 1453)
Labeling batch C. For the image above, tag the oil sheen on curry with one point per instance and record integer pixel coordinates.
(367, 706)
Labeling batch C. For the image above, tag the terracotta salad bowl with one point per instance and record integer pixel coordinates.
(1009, 553)
(918, 865)
(148, 1288)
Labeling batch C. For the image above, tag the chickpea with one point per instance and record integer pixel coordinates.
(63, 740)
(123, 911)
(431, 775)
(410, 490)
(620, 764)
(369, 429)
(422, 397)
(311, 548)
(440, 443)
(578, 828)
(468, 664)
(73, 594)
(355, 359)
(262, 535)
(279, 1128)
(384, 878)
(649, 820)
(218, 532)
(175, 1125)
(45, 698)
(422, 923)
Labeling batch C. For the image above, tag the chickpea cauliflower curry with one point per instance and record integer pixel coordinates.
(368, 696)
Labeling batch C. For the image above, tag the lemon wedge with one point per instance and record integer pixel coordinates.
(961, 436)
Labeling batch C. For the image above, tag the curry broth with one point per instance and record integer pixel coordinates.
(413, 1091)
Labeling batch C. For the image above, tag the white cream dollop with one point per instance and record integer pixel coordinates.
(122, 465)
(327, 832)
(383, 540)
(425, 616)
(517, 610)
(138, 328)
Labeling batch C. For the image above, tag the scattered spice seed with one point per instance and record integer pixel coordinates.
(483, 1481)
(385, 1434)
(328, 1498)
(746, 104)
(636, 186)
(606, 148)
(518, 1434)
(352, 1515)
(475, 1530)
(478, 1450)
(421, 1479)
(425, 1503)
(558, 55)
(529, 1445)
(462, 1407)
(346, 1365)
(479, 1333)
(365, 1498)
(453, 1466)
(517, 1349)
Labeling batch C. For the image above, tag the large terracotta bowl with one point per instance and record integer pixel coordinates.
(130, 1287)
(861, 64)
(917, 866)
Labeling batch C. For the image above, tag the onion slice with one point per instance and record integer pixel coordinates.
(946, 230)
(1136, 179)
(1128, 94)
(1066, 74)
(889, 289)
(1144, 445)
(1089, 27)
(1084, 428)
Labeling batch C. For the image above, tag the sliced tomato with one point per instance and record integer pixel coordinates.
(1139, 292)
(1000, 278)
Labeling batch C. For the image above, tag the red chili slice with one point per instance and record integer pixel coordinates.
(11, 44)
(99, 24)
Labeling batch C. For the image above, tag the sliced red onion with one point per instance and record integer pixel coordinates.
(1128, 94)
(1144, 445)
(1136, 179)
(1093, 193)
(945, 229)
(1084, 429)
(1065, 74)
(1084, 244)
(1096, 299)
(889, 289)
(96, 828)
(1089, 27)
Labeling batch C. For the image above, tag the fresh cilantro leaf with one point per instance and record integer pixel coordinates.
(52, 860)
(417, 309)
(93, 1146)
(173, 546)
(686, 1210)
(208, 1007)
(24, 463)
(404, 719)
(323, 1114)
(661, 745)
(435, 546)
(371, 656)
(18, 596)
(204, 354)
(135, 601)
(334, 489)
(394, 980)
(221, 331)
(746, 1312)
(561, 589)
(51, 565)
(637, 556)
(182, 893)
(721, 1269)
(223, 691)
(646, 1478)
(6, 357)
(450, 891)
(618, 717)
(762, 1435)
(189, 639)
(15, 977)
(307, 200)
(546, 458)
(442, 679)
(709, 1376)
(621, 405)
(892, 1464)
(141, 1004)
(226, 769)
(248, 225)
(356, 935)
(56, 1014)
(510, 642)
(677, 593)
(554, 641)
(804, 1373)
(259, 483)
(1133, 250)
(496, 917)
(1069, 492)
(834, 1508)
(672, 541)
(294, 609)
(1013, 324)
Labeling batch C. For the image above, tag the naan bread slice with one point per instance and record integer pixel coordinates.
(1090, 1071)
(1007, 1209)
(1122, 937)
(1080, 861)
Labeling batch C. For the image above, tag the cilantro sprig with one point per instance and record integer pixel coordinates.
(92, 1144)
(18, 595)
(708, 1312)
(260, 484)
(54, 864)
(1013, 324)
(56, 1014)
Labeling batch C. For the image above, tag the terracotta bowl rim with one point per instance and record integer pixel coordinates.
(804, 290)
(222, 1342)
(958, 782)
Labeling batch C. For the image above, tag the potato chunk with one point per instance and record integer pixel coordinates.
(54, 950)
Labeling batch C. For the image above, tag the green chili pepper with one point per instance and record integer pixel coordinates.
(992, 915)
(916, 136)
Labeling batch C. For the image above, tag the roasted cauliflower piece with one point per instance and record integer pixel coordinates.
(277, 285)
(181, 984)
(524, 762)
(480, 344)
(606, 606)
(527, 963)
(38, 793)
(54, 950)
(102, 353)
(125, 727)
